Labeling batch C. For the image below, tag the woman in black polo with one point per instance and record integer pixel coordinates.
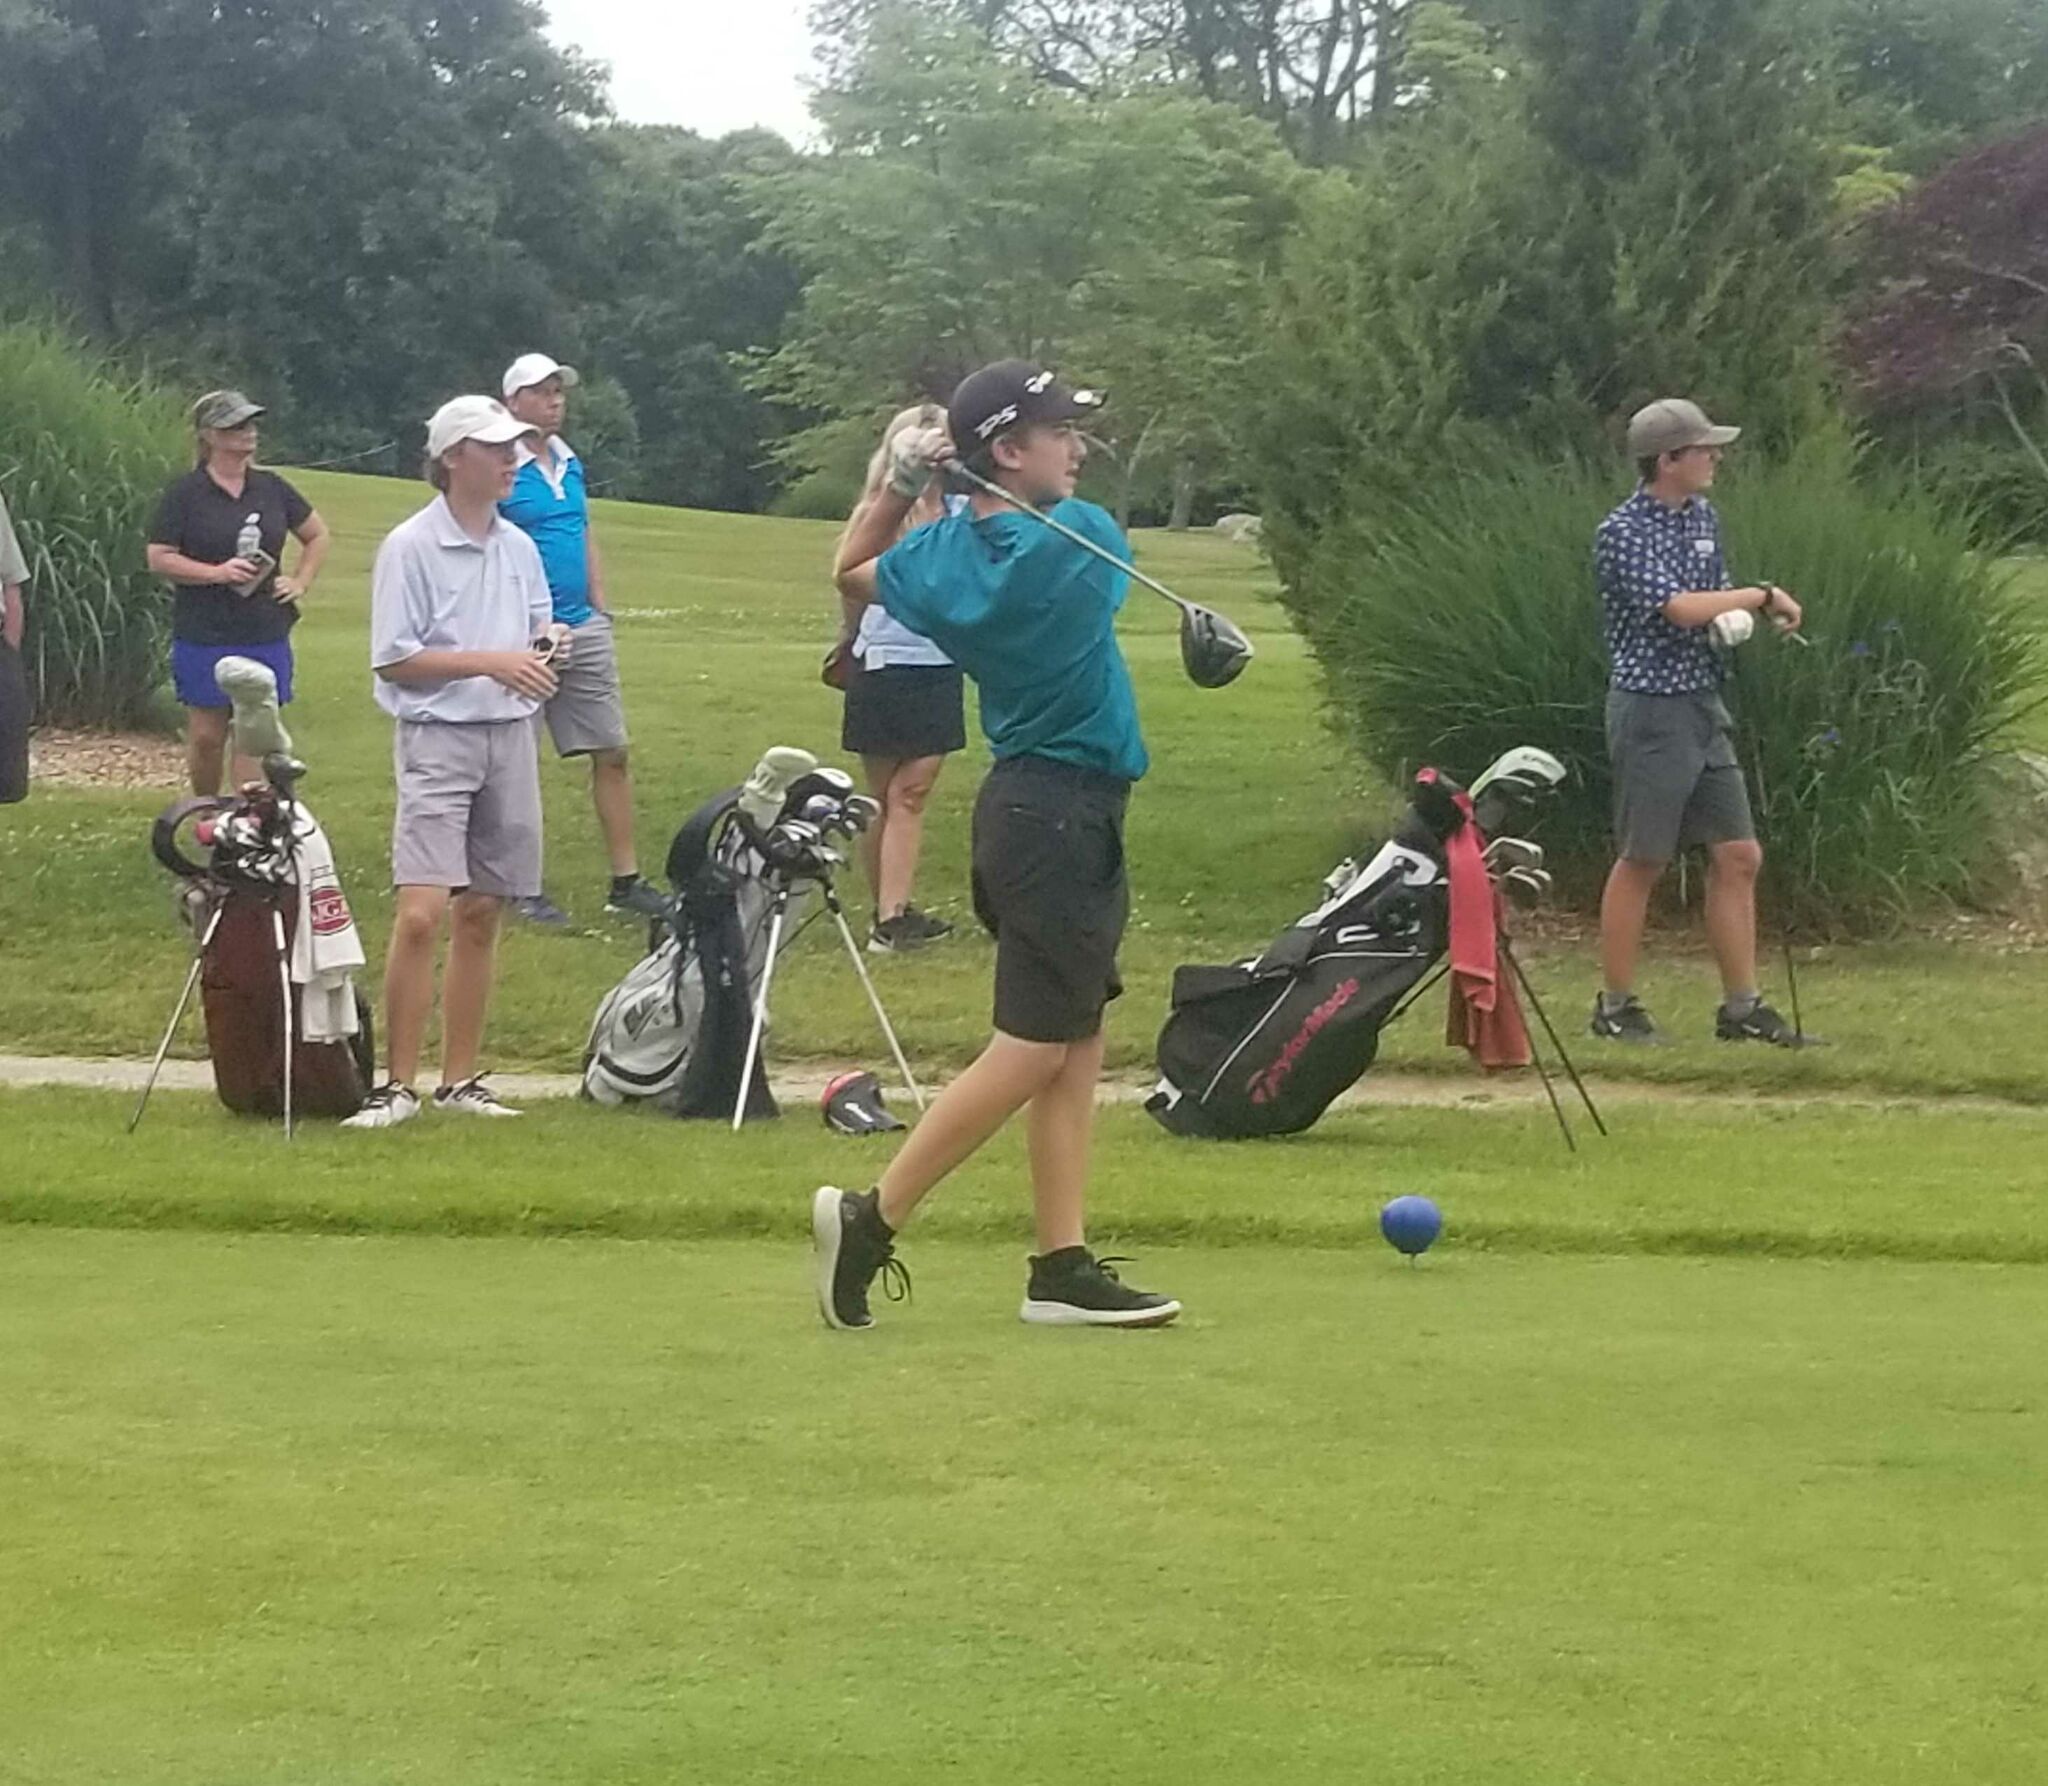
(218, 540)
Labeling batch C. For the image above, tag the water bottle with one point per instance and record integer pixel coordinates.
(247, 544)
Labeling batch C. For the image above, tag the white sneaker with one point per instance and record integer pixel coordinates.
(386, 1107)
(474, 1098)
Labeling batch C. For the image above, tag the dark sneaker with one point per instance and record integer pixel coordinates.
(540, 909)
(472, 1098)
(1629, 1024)
(853, 1247)
(925, 925)
(637, 898)
(385, 1108)
(1761, 1025)
(1073, 1288)
(897, 935)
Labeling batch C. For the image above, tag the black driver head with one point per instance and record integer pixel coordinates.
(1212, 650)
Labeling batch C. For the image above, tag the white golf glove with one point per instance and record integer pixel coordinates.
(1731, 628)
(914, 455)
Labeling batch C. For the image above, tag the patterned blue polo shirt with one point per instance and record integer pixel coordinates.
(1643, 555)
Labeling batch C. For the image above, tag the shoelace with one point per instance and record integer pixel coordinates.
(1108, 1266)
(470, 1090)
(895, 1277)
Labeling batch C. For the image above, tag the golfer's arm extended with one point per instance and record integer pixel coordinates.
(1698, 607)
(876, 526)
(444, 666)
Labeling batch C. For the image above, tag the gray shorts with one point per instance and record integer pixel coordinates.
(1676, 780)
(468, 807)
(587, 712)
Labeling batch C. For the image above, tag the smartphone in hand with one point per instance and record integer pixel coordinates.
(264, 564)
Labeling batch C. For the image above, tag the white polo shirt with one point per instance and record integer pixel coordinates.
(435, 588)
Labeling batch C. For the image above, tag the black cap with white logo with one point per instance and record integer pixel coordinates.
(1011, 394)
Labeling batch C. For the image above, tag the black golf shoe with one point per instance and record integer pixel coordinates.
(1631, 1023)
(852, 1245)
(1760, 1024)
(1073, 1288)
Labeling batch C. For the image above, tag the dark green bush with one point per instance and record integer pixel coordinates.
(1464, 620)
(85, 451)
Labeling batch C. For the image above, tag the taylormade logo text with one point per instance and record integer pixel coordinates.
(1266, 1086)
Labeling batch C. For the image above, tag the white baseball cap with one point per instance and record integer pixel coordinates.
(531, 369)
(473, 418)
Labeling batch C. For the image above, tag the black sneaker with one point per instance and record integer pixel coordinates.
(1629, 1024)
(538, 908)
(897, 935)
(852, 1247)
(925, 925)
(1762, 1024)
(1073, 1288)
(637, 898)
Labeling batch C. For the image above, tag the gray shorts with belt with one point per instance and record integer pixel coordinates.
(587, 712)
(468, 807)
(1676, 779)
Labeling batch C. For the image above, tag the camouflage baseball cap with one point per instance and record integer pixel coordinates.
(1670, 424)
(224, 409)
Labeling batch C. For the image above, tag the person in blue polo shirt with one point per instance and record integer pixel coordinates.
(586, 716)
(1664, 583)
(1031, 618)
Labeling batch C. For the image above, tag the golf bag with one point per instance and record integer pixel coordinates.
(672, 1035)
(1262, 1047)
(243, 901)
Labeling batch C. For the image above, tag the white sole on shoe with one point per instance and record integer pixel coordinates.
(1066, 1314)
(826, 1232)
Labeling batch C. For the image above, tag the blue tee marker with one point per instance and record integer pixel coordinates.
(1411, 1224)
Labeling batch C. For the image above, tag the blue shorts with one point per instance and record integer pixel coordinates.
(192, 670)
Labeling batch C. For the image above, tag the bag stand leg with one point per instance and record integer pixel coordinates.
(177, 1015)
(284, 982)
(867, 985)
(777, 913)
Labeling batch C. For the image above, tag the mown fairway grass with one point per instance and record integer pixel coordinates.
(487, 1513)
(723, 618)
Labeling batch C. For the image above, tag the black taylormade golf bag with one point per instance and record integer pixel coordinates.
(1262, 1047)
(673, 1033)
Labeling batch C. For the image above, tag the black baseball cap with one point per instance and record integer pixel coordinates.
(1011, 394)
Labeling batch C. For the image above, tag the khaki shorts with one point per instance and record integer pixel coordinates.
(468, 807)
(587, 711)
(1676, 780)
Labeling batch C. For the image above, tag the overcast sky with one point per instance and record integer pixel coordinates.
(714, 65)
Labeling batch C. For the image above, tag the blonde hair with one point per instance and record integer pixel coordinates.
(930, 505)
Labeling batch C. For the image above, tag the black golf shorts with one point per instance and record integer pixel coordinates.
(1049, 885)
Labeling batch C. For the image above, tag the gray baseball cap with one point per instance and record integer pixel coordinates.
(224, 409)
(1670, 424)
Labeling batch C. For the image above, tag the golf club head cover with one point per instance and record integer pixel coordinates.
(852, 1105)
(252, 689)
(761, 799)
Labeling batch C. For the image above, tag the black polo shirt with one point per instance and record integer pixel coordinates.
(201, 520)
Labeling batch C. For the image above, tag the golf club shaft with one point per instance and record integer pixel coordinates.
(1564, 1128)
(284, 984)
(760, 1023)
(177, 1014)
(1067, 533)
(867, 985)
(1514, 962)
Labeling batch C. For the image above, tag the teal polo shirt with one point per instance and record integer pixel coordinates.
(1031, 617)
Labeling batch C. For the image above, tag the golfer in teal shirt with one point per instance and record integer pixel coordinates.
(1031, 618)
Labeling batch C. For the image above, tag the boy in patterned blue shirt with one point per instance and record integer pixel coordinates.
(1663, 583)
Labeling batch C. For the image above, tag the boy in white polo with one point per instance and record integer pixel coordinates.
(461, 637)
(586, 717)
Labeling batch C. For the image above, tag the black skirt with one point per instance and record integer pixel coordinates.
(904, 711)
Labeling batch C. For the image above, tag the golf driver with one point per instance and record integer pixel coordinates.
(1212, 649)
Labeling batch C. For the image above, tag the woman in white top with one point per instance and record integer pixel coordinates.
(905, 713)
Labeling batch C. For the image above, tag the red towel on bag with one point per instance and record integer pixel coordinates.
(1485, 1015)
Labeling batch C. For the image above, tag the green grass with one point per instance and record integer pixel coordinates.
(1788, 1180)
(317, 1512)
(724, 616)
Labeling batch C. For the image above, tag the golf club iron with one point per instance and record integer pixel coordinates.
(1213, 650)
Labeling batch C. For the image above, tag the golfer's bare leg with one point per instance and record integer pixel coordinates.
(206, 744)
(611, 792)
(1059, 1127)
(880, 771)
(1624, 910)
(1005, 1076)
(466, 986)
(903, 832)
(1732, 870)
(409, 977)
